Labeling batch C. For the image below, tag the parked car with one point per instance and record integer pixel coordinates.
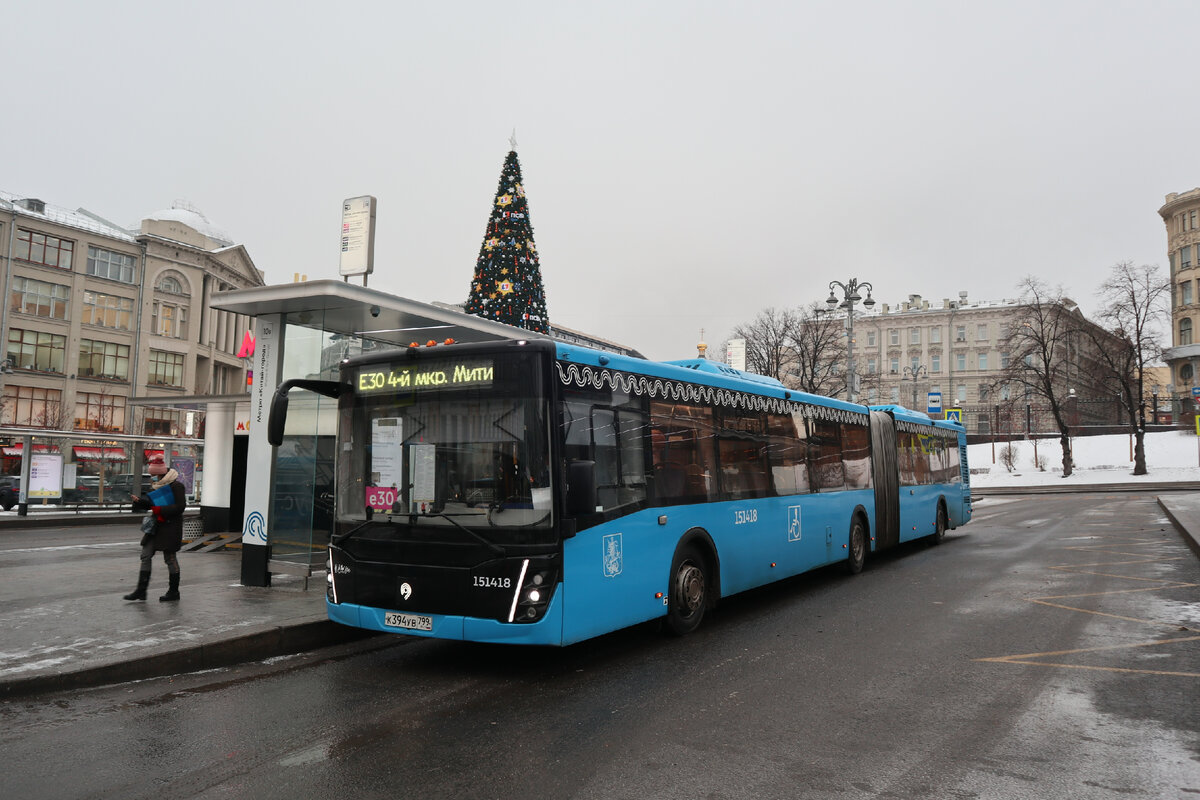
(85, 490)
(10, 491)
(121, 488)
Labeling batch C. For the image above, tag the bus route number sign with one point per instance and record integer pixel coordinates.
(437, 375)
(382, 498)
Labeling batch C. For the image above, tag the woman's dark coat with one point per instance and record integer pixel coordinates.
(168, 536)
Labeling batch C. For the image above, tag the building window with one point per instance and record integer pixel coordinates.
(38, 248)
(1185, 373)
(170, 284)
(935, 363)
(170, 319)
(1004, 360)
(981, 333)
(935, 334)
(31, 407)
(914, 364)
(45, 352)
(983, 393)
(1005, 392)
(1185, 257)
(960, 333)
(960, 361)
(895, 394)
(870, 338)
(107, 264)
(983, 361)
(914, 335)
(161, 422)
(962, 393)
(107, 311)
(894, 365)
(166, 369)
(1185, 293)
(871, 366)
(1185, 331)
(894, 336)
(39, 298)
(872, 395)
(99, 412)
(103, 360)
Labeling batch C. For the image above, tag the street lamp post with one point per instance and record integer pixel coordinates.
(850, 298)
(914, 373)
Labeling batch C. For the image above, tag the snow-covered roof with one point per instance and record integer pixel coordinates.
(192, 217)
(79, 219)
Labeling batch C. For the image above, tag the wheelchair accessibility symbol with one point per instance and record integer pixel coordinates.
(793, 523)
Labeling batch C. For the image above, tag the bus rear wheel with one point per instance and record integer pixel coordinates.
(689, 592)
(939, 527)
(857, 546)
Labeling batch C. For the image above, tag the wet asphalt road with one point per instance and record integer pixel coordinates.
(1051, 648)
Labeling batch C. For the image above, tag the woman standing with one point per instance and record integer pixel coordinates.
(168, 531)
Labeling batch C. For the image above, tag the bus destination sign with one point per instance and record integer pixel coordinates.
(430, 375)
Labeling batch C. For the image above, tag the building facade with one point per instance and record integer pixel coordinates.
(1181, 215)
(97, 314)
(959, 349)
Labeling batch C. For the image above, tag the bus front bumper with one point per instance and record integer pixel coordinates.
(546, 631)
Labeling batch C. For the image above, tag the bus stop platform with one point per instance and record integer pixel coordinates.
(66, 625)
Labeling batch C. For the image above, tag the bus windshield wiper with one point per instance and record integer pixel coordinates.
(495, 548)
(338, 538)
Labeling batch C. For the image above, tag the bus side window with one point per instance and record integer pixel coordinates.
(856, 455)
(825, 453)
(620, 460)
(787, 453)
(904, 457)
(685, 464)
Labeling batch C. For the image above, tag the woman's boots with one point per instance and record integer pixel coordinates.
(172, 590)
(140, 592)
(144, 581)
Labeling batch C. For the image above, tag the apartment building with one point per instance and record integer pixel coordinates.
(1181, 216)
(958, 348)
(98, 314)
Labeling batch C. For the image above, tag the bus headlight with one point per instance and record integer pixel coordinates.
(533, 594)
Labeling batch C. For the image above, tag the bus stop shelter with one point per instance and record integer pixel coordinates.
(304, 330)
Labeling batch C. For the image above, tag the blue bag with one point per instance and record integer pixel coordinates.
(162, 496)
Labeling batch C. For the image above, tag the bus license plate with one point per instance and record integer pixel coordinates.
(413, 622)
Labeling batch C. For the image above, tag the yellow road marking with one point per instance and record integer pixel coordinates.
(1080, 569)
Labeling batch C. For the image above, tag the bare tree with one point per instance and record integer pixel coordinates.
(1039, 344)
(768, 342)
(1134, 303)
(818, 345)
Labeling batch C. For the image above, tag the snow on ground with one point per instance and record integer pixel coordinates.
(1170, 456)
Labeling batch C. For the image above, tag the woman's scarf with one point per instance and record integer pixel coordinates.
(170, 476)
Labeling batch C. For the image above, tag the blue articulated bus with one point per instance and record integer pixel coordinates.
(540, 493)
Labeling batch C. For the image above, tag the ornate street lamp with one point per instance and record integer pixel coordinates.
(850, 298)
(914, 373)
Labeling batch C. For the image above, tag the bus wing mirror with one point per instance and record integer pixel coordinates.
(581, 488)
(279, 403)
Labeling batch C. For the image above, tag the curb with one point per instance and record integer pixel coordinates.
(1188, 536)
(277, 641)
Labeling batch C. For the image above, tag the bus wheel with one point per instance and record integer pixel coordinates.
(689, 592)
(857, 546)
(939, 527)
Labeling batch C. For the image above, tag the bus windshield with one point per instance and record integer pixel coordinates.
(443, 441)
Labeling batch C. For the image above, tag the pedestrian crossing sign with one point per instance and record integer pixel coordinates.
(954, 415)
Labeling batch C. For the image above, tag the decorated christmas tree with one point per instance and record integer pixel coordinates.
(507, 286)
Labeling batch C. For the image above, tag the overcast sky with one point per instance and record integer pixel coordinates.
(687, 163)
